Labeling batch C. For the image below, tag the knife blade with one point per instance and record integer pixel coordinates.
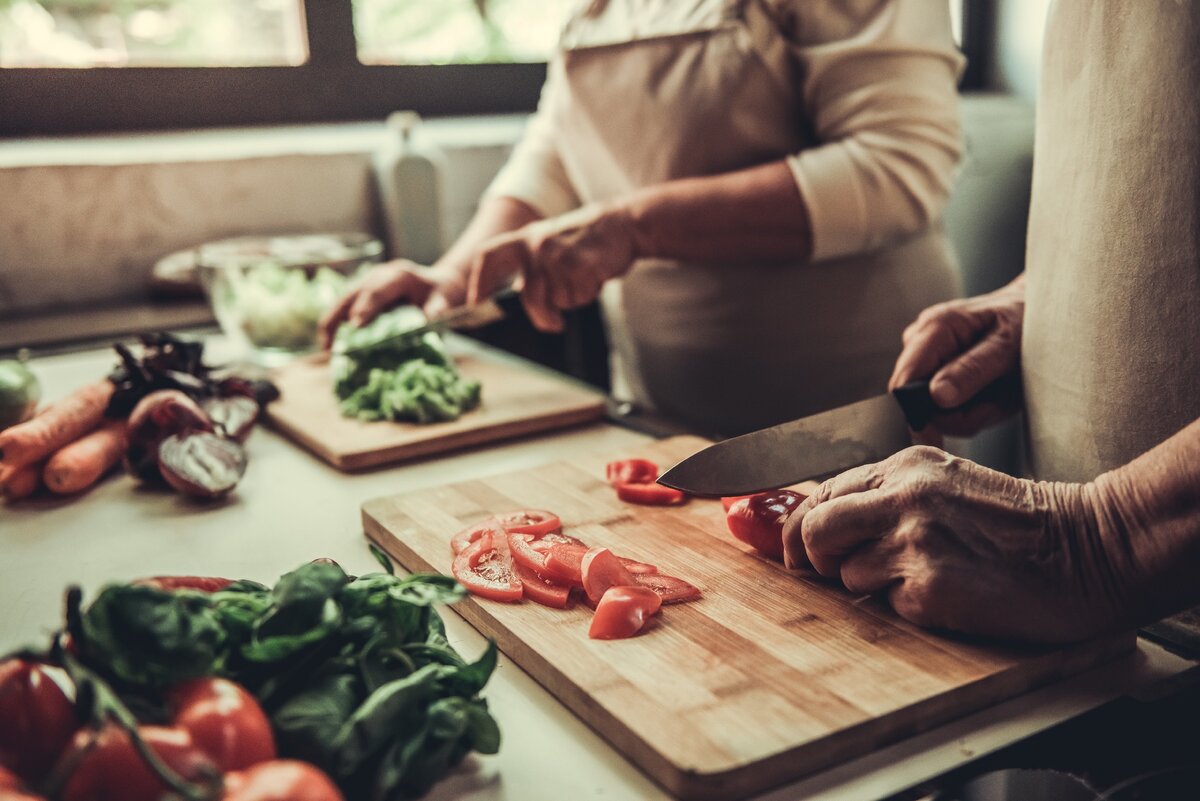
(496, 307)
(812, 447)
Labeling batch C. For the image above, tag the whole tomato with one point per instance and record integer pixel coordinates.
(757, 520)
(37, 718)
(105, 766)
(224, 720)
(280, 780)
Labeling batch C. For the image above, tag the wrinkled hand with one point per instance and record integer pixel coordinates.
(965, 347)
(560, 263)
(957, 546)
(388, 285)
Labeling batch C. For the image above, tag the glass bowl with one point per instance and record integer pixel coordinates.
(269, 292)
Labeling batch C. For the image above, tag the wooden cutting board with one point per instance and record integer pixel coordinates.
(517, 400)
(772, 676)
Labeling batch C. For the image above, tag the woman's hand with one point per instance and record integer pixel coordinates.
(387, 285)
(559, 263)
(965, 347)
(957, 546)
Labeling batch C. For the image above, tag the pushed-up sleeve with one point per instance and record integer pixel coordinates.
(534, 172)
(879, 83)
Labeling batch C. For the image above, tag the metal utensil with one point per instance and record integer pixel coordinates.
(812, 447)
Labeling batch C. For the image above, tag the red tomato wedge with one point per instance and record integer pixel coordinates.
(631, 471)
(758, 520)
(622, 612)
(485, 568)
(602, 569)
(564, 563)
(460, 541)
(650, 494)
(732, 499)
(530, 521)
(530, 549)
(538, 589)
(670, 589)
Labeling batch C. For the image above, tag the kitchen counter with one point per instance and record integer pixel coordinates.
(290, 508)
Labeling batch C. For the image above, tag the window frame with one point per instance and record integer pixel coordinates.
(332, 86)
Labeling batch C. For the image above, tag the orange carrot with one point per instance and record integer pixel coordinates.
(20, 482)
(79, 465)
(60, 424)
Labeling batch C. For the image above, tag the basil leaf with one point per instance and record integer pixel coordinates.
(428, 589)
(150, 638)
(485, 733)
(469, 679)
(300, 599)
(308, 723)
(382, 716)
(275, 648)
(383, 559)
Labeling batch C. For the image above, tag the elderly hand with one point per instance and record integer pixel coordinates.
(966, 347)
(560, 263)
(957, 546)
(389, 284)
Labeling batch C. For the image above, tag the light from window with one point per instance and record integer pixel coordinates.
(160, 33)
(457, 31)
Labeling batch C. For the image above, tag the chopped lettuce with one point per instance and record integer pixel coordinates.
(392, 377)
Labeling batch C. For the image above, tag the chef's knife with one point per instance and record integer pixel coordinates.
(811, 447)
(496, 307)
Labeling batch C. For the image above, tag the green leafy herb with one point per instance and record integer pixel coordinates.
(355, 673)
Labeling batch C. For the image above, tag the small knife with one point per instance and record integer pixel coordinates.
(812, 447)
(496, 307)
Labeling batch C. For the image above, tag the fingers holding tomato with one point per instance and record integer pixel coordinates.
(758, 520)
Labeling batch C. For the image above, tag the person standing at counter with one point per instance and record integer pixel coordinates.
(753, 189)
(1104, 331)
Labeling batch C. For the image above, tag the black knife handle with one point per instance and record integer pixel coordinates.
(919, 408)
(916, 403)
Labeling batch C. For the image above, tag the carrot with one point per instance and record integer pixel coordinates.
(79, 465)
(60, 424)
(20, 482)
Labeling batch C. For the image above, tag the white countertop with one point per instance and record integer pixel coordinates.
(290, 508)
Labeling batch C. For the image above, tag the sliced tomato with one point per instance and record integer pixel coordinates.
(600, 570)
(672, 590)
(564, 564)
(650, 494)
(758, 520)
(638, 568)
(530, 549)
(460, 541)
(732, 499)
(530, 521)
(631, 471)
(622, 612)
(540, 590)
(485, 568)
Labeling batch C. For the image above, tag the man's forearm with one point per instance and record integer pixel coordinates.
(756, 213)
(1149, 512)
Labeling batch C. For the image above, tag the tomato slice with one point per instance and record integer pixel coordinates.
(530, 550)
(485, 568)
(602, 569)
(460, 541)
(758, 520)
(670, 589)
(538, 589)
(631, 471)
(622, 612)
(650, 494)
(530, 521)
(564, 562)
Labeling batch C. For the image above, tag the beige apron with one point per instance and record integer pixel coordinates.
(1111, 354)
(665, 90)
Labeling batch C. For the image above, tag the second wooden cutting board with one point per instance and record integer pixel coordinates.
(771, 676)
(517, 400)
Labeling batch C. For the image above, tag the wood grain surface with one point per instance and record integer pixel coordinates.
(517, 400)
(773, 675)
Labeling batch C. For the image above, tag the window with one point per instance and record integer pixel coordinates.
(69, 66)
